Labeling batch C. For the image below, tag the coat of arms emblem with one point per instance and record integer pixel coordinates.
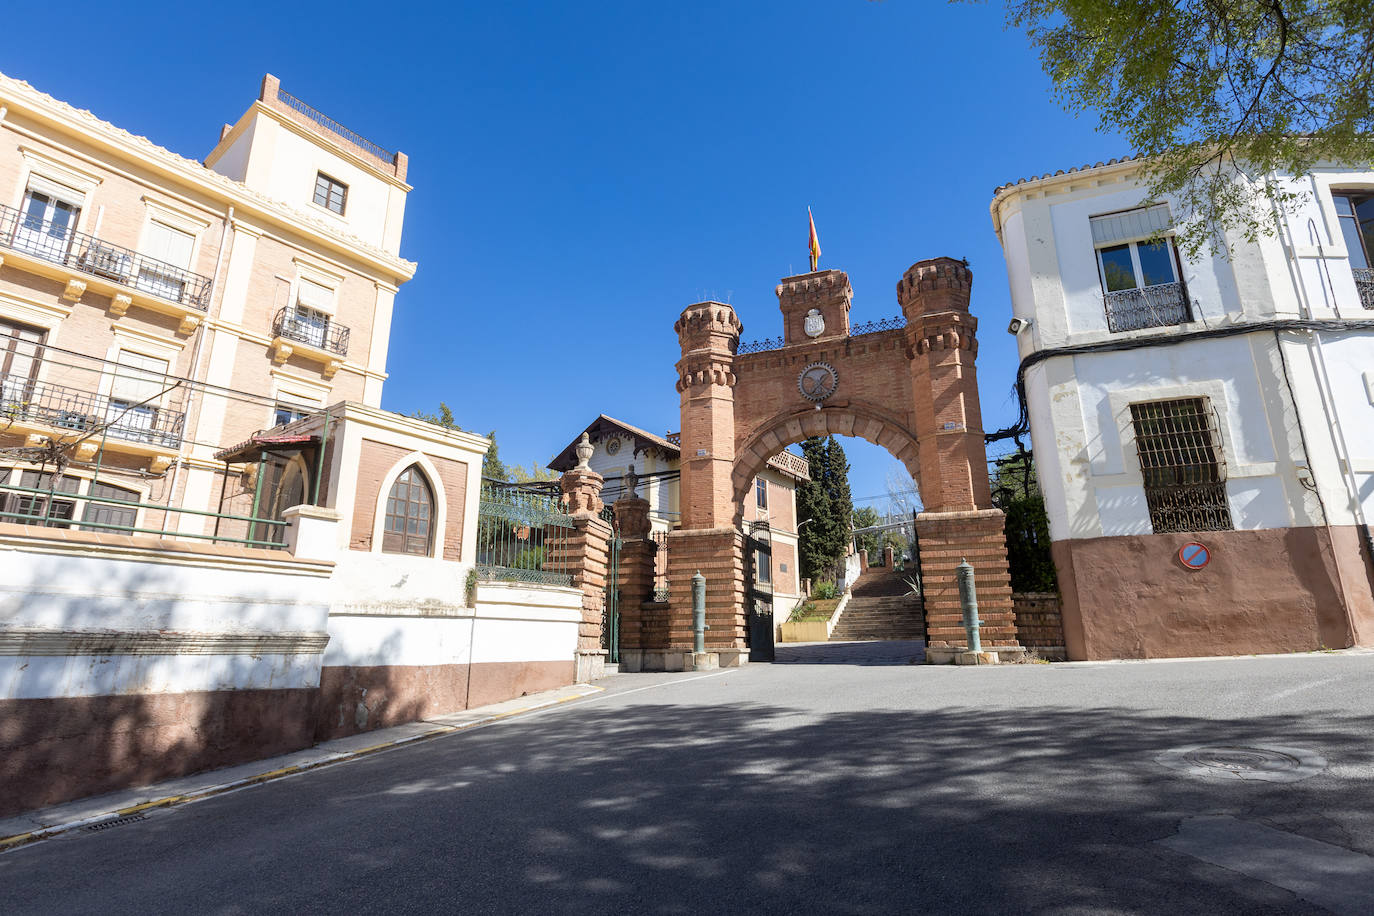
(814, 323)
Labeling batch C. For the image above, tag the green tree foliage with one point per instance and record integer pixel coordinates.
(492, 466)
(867, 517)
(1016, 492)
(519, 473)
(1218, 94)
(443, 418)
(825, 499)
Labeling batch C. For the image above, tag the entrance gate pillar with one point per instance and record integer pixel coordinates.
(636, 577)
(584, 554)
(958, 521)
(708, 541)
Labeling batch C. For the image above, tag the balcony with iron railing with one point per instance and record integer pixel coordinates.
(1364, 285)
(310, 334)
(167, 288)
(1155, 306)
(27, 405)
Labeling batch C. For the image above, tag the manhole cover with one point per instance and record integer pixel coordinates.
(1231, 761)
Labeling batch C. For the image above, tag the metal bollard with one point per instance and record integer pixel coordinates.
(699, 626)
(968, 600)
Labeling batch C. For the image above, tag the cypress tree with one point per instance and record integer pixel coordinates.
(826, 500)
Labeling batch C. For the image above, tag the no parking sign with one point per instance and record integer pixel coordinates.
(1194, 556)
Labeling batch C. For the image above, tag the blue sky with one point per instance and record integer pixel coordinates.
(583, 171)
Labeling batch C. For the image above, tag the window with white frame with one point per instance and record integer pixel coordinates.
(308, 320)
(1182, 464)
(162, 270)
(1138, 269)
(47, 219)
(330, 193)
(135, 395)
(285, 412)
(1355, 213)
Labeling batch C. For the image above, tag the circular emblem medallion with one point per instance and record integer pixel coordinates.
(612, 446)
(818, 381)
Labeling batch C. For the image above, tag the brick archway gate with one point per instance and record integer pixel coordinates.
(912, 390)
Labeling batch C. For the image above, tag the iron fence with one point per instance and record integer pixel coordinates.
(22, 399)
(333, 126)
(59, 244)
(660, 539)
(320, 332)
(1364, 285)
(1155, 306)
(522, 536)
(758, 346)
(883, 324)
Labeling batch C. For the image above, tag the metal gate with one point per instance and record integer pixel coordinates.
(610, 609)
(758, 592)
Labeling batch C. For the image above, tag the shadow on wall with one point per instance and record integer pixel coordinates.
(663, 808)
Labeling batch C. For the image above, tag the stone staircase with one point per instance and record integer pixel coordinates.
(880, 607)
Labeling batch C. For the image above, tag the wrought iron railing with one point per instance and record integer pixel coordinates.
(1148, 307)
(59, 244)
(883, 324)
(1364, 285)
(660, 539)
(758, 346)
(323, 333)
(522, 536)
(1189, 507)
(333, 126)
(85, 412)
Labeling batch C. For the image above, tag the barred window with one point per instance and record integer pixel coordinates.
(1182, 464)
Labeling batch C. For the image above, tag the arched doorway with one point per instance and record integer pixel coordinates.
(907, 384)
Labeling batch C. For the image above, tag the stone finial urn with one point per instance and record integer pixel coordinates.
(584, 451)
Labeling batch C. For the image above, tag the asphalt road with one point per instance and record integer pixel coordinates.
(807, 787)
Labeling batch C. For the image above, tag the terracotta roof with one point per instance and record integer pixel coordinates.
(257, 443)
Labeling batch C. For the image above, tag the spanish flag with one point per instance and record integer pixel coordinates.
(813, 245)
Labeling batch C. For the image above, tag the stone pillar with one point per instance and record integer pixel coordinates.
(959, 521)
(887, 558)
(584, 554)
(863, 559)
(636, 577)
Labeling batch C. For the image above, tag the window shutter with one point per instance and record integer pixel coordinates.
(56, 190)
(1133, 224)
(314, 296)
(169, 245)
(138, 377)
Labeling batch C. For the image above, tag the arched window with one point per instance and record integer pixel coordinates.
(409, 526)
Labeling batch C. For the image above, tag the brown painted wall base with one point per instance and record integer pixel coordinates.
(1263, 592)
(360, 699)
(55, 750)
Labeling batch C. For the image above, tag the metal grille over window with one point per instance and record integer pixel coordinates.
(1139, 270)
(1182, 464)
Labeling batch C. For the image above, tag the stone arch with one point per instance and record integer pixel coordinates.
(861, 421)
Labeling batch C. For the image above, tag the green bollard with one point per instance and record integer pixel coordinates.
(699, 626)
(968, 600)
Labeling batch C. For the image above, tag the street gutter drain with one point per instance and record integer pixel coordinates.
(1250, 763)
(117, 822)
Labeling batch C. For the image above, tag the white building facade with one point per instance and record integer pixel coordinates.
(1203, 429)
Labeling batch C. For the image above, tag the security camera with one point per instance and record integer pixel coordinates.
(1018, 325)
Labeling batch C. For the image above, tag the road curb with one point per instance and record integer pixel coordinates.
(17, 840)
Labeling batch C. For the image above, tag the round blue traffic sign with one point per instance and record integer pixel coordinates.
(1194, 555)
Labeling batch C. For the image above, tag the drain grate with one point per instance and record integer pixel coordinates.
(1233, 761)
(117, 822)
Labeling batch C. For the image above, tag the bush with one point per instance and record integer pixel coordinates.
(824, 591)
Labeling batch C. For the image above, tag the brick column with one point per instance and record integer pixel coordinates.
(584, 554)
(959, 521)
(636, 576)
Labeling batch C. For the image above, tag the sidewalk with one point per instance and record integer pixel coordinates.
(87, 812)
